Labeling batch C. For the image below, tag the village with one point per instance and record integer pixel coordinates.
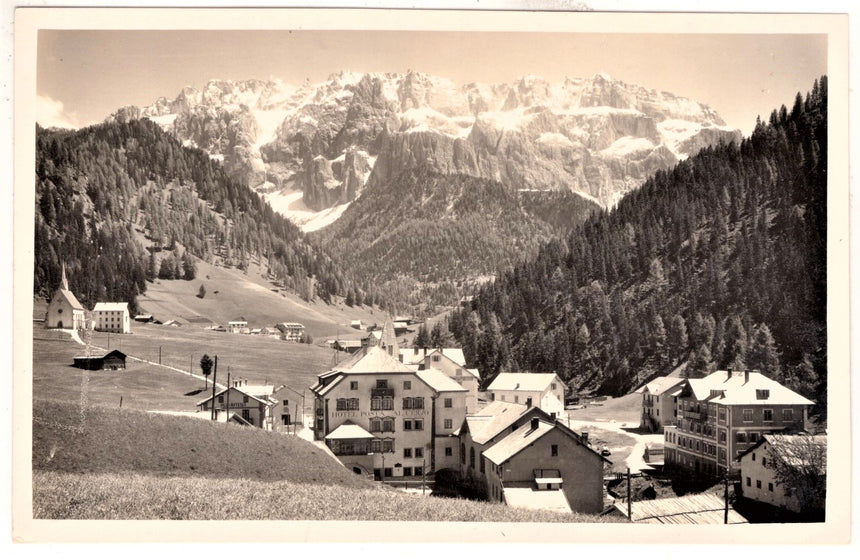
(731, 447)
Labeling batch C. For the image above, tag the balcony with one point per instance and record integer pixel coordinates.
(693, 415)
(382, 392)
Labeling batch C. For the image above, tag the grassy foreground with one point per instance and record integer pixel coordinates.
(98, 463)
(134, 496)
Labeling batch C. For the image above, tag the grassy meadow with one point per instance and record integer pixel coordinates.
(98, 463)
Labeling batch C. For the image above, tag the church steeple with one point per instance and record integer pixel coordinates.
(65, 282)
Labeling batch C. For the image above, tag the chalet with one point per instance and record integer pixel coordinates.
(659, 402)
(291, 332)
(113, 360)
(400, 327)
(64, 310)
(379, 416)
(350, 346)
(542, 464)
(250, 403)
(803, 453)
(144, 318)
(356, 324)
(543, 390)
(239, 325)
(720, 416)
(112, 317)
(173, 323)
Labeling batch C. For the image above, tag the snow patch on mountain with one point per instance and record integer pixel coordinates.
(627, 145)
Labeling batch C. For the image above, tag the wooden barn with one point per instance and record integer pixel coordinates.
(112, 360)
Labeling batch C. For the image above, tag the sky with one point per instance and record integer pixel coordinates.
(83, 76)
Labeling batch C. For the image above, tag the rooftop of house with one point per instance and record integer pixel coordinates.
(492, 419)
(518, 440)
(438, 381)
(524, 496)
(734, 388)
(237, 320)
(660, 385)
(111, 306)
(796, 449)
(523, 382)
(70, 297)
(260, 398)
(102, 356)
(372, 359)
(349, 430)
(417, 355)
(691, 509)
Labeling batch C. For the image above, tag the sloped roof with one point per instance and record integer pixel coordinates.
(372, 359)
(111, 306)
(734, 389)
(692, 509)
(660, 385)
(239, 389)
(438, 381)
(349, 430)
(485, 424)
(522, 381)
(795, 449)
(517, 440)
(526, 497)
(70, 297)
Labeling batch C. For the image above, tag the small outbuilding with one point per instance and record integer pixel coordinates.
(112, 360)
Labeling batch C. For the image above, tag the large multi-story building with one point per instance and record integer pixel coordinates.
(112, 317)
(720, 416)
(379, 416)
(449, 361)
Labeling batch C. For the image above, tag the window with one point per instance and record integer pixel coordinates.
(419, 471)
(387, 472)
(388, 424)
(449, 403)
(381, 403)
(407, 471)
(413, 403)
(407, 424)
(220, 399)
(758, 483)
(753, 458)
(770, 486)
(753, 438)
(741, 437)
(516, 398)
(347, 404)
(554, 450)
(463, 453)
(449, 452)
(376, 424)
(449, 424)
(787, 414)
(436, 357)
(382, 384)
(382, 446)
(407, 452)
(245, 399)
(552, 386)
(768, 415)
(353, 385)
(407, 385)
(747, 415)
(722, 436)
(482, 464)
(764, 461)
(762, 394)
(419, 452)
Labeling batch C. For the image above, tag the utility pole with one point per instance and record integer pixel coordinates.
(159, 353)
(629, 497)
(295, 417)
(228, 394)
(726, 514)
(423, 476)
(214, 377)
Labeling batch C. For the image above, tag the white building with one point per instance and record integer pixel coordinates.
(659, 403)
(239, 325)
(112, 317)
(807, 454)
(543, 390)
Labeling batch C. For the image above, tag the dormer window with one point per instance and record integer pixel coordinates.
(762, 394)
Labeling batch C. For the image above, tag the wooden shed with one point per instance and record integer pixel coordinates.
(112, 360)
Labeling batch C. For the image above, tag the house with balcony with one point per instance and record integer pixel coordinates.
(543, 390)
(291, 332)
(722, 415)
(381, 417)
(659, 402)
(248, 405)
(238, 325)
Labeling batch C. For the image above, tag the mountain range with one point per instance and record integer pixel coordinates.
(312, 149)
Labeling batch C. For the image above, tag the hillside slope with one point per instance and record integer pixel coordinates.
(721, 260)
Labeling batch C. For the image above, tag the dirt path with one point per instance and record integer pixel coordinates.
(635, 460)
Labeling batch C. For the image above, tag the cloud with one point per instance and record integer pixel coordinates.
(52, 113)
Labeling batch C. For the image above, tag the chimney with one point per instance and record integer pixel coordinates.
(729, 370)
(400, 357)
(746, 376)
(535, 423)
(416, 351)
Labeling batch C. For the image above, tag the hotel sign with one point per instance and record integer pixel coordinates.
(411, 413)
